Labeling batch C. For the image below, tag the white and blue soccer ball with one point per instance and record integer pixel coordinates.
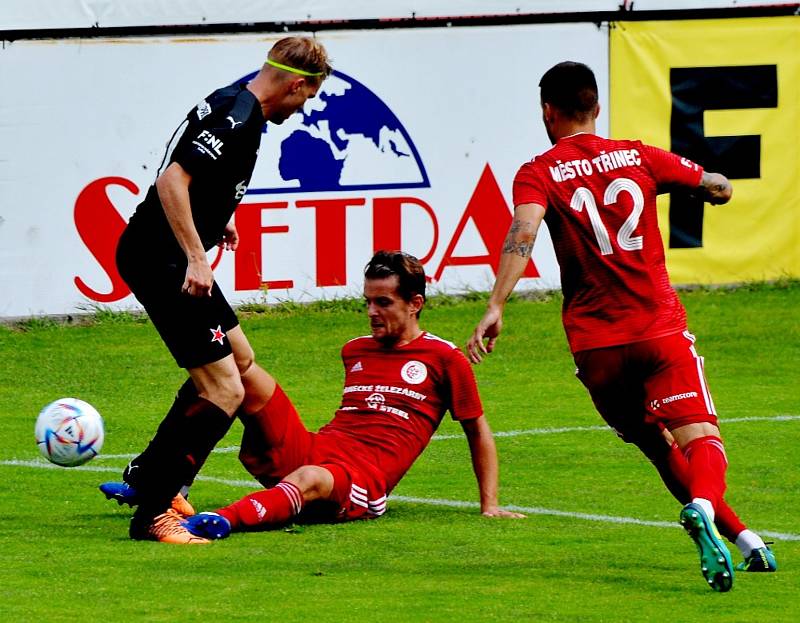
(69, 432)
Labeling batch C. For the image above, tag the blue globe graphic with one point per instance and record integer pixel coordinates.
(346, 138)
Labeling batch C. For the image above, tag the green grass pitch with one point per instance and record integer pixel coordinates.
(600, 543)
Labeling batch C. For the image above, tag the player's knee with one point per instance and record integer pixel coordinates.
(314, 481)
(227, 393)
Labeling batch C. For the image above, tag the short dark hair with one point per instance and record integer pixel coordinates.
(571, 87)
(409, 271)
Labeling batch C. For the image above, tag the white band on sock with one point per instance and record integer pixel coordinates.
(747, 541)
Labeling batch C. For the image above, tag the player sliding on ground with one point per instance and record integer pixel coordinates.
(624, 323)
(399, 381)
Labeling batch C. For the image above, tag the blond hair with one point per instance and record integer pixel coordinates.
(302, 53)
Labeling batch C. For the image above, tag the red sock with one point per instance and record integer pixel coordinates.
(728, 522)
(707, 465)
(267, 507)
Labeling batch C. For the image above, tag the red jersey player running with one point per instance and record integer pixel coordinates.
(398, 383)
(624, 323)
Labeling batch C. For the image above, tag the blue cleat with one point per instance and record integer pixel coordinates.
(123, 493)
(208, 525)
(760, 559)
(715, 559)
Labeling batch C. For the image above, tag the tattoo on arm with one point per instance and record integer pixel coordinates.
(521, 245)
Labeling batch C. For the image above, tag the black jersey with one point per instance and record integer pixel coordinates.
(217, 144)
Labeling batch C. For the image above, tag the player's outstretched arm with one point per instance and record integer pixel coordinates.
(513, 260)
(716, 188)
(485, 465)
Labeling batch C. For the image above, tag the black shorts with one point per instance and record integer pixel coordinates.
(193, 328)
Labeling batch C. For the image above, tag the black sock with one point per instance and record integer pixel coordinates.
(168, 468)
(139, 471)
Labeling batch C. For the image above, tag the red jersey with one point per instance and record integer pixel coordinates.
(395, 398)
(599, 197)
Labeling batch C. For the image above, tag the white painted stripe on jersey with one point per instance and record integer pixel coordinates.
(431, 336)
(358, 502)
(360, 496)
(531, 510)
(361, 490)
(172, 144)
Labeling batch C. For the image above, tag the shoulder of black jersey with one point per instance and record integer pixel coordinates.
(229, 107)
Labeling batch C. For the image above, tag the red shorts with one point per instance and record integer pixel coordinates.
(276, 442)
(655, 382)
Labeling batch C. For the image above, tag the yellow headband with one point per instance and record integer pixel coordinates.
(294, 70)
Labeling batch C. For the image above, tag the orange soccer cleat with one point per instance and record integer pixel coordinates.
(167, 528)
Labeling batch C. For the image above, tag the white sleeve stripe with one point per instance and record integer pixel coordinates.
(358, 502)
(172, 144)
(357, 495)
(430, 336)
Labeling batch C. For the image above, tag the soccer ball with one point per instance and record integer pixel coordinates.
(69, 432)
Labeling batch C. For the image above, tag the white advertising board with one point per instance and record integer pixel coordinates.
(32, 14)
(44, 14)
(414, 142)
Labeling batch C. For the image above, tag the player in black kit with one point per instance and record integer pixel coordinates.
(162, 257)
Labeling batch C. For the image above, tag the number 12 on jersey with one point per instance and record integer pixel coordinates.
(583, 198)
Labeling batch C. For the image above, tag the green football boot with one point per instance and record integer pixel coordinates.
(715, 559)
(761, 560)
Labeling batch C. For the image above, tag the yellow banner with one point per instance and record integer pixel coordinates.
(725, 93)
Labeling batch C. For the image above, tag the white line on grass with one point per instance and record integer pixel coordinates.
(581, 429)
(520, 433)
(530, 510)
